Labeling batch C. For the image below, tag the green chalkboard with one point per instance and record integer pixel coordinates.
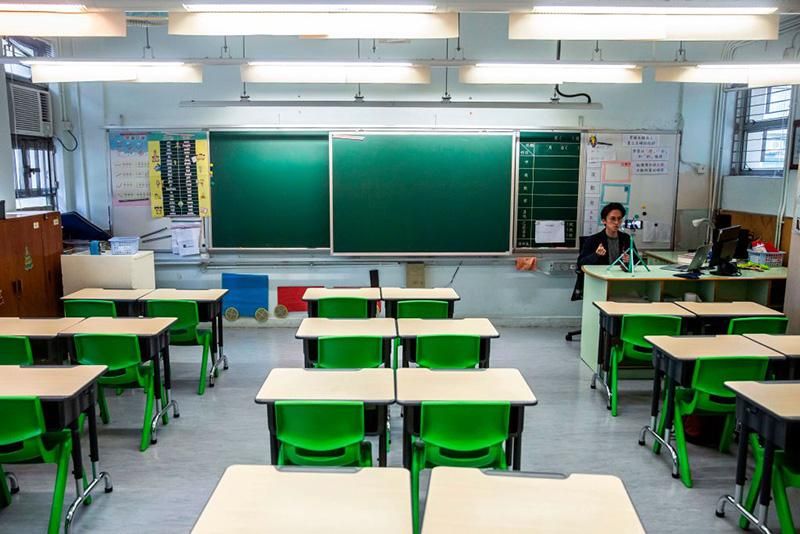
(548, 179)
(269, 190)
(422, 193)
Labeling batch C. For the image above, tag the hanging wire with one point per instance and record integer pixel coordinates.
(680, 55)
(446, 96)
(557, 93)
(597, 53)
(147, 47)
(458, 40)
(60, 142)
(359, 97)
(224, 52)
(244, 95)
(374, 48)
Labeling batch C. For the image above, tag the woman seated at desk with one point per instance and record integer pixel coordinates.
(604, 247)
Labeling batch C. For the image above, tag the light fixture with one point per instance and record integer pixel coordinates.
(402, 104)
(44, 71)
(549, 73)
(320, 25)
(49, 8)
(362, 72)
(754, 75)
(309, 8)
(653, 10)
(63, 24)
(632, 25)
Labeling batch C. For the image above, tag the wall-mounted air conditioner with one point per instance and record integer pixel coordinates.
(31, 111)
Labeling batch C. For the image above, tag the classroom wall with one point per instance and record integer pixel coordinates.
(6, 154)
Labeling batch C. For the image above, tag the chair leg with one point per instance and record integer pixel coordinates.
(727, 433)
(164, 402)
(5, 494)
(782, 502)
(415, 469)
(755, 481)
(395, 344)
(662, 423)
(101, 400)
(680, 445)
(201, 388)
(614, 382)
(148, 412)
(62, 473)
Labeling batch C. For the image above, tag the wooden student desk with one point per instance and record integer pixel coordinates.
(42, 334)
(771, 409)
(209, 306)
(409, 329)
(713, 317)
(611, 314)
(153, 335)
(393, 295)
(674, 359)
(65, 392)
(313, 328)
(373, 387)
(314, 294)
(660, 285)
(477, 501)
(417, 385)
(126, 300)
(252, 499)
(789, 346)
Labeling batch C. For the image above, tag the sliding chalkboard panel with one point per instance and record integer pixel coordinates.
(421, 193)
(269, 190)
(547, 185)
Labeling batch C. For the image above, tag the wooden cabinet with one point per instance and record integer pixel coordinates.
(30, 249)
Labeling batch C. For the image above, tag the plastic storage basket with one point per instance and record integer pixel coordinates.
(770, 259)
(121, 246)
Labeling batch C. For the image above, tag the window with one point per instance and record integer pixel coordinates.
(760, 131)
(35, 181)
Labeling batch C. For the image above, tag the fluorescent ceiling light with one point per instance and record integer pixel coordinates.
(548, 73)
(43, 24)
(472, 104)
(654, 10)
(308, 8)
(109, 71)
(297, 72)
(754, 75)
(628, 27)
(50, 8)
(321, 25)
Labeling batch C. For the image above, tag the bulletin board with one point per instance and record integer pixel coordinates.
(638, 169)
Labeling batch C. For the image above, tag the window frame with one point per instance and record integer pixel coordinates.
(744, 126)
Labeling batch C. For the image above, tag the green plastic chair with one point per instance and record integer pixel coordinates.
(458, 434)
(708, 395)
(322, 433)
(785, 474)
(89, 308)
(24, 439)
(418, 309)
(448, 351)
(120, 353)
(185, 331)
(342, 308)
(635, 348)
(350, 352)
(15, 350)
(758, 325)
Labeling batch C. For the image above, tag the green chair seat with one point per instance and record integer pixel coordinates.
(15, 350)
(419, 309)
(89, 308)
(758, 325)
(342, 308)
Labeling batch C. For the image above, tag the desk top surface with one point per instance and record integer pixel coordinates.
(728, 309)
(96, 293)
(144, 326)
(786, 345)
(45, 382)
(41, 328)
(264, 498)
(694, 347)
(641, 308)
(415, 385)
(316, 293)
(470, 327)
(473, 501)
(367, 385)
(197, 295)
(780, 398)
(419, 293)
(316, 327)
(659, 273)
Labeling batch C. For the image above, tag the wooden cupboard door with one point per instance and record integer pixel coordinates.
(53, 246)
(32, 295)
(8, 273)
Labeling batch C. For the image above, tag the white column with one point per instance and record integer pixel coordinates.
(6, 154)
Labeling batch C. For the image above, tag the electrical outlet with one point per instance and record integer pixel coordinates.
(66, 125)
(700, 169)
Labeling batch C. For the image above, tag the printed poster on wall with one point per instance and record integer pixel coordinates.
(130, 182)
(179, 175)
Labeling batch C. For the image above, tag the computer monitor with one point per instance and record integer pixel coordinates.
(724, 250)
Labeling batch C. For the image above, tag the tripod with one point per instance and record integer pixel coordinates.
(634, 258)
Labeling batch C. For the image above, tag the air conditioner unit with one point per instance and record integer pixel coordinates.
(31, 111)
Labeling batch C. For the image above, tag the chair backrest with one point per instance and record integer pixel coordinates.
(758, 325)
(117, 351)
(342, 308)
(448, 351)
(464, 426)
(635, 327)
(89, 308)
(350, 352)
(185, 328)
(423, 309)
(22, 423)
(319, 425)
(15, 350)
(710, 374)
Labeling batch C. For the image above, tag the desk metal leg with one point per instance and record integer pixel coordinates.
(163, 401)
(218, 349)
(484, 352)
(383, 428)
(408, 432)
(603, 350)
(273, 438)
(669, 414)
(517, 465)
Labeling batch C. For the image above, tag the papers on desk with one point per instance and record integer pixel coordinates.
(549, 231)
